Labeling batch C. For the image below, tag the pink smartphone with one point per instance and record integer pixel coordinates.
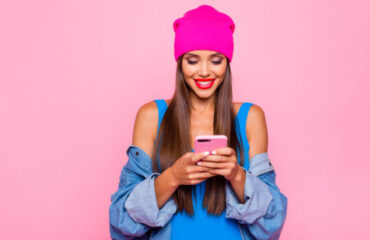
(209, 142)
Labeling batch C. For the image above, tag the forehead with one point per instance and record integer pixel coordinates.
(203, 53)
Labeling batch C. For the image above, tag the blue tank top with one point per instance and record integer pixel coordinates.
(204, 225)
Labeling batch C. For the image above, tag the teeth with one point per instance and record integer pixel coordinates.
(204, 83)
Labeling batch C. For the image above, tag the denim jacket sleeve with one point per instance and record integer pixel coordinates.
(133, 210)
(265, 209)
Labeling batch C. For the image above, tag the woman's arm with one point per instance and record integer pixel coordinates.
(145, 131)
(256, 132)
(134, 209)
(264, 208)
(164, 186)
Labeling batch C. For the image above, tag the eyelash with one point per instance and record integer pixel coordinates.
(194, 62)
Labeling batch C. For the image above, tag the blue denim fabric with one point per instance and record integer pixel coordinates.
(134, 213)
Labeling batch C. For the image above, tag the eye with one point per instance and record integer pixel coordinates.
(214, 61)
(192, 62)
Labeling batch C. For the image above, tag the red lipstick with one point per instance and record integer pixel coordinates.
(204, 83)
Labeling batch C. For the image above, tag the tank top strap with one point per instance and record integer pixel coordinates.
(241, 122)
(162, 107)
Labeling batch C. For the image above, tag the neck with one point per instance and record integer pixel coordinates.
(202, 105)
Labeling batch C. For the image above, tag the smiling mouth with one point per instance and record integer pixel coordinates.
(204, 83)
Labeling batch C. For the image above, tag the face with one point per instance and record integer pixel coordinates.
(204, 71)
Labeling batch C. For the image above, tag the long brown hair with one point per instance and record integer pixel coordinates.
(174, 140)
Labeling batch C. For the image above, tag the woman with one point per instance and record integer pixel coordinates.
(167, 191)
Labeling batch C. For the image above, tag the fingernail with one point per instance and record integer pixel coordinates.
(206, 153)
(199, 163)
(213, 152)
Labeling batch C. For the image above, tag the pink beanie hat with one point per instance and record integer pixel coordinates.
(204, 28)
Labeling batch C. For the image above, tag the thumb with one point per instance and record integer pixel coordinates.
(198, 156)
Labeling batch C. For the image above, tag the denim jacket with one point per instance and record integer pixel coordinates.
(134, 213)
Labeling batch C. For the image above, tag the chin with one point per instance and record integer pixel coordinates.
(204, 94)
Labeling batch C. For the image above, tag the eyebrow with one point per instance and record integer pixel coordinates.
(195, 55)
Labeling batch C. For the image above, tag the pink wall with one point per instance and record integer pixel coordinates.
(74, 73)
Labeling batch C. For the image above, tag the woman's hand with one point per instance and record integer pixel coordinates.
(223, 161)
(185, 171)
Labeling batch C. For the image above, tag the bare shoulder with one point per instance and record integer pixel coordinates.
(145, 127)
(256, 113)
(256, 128)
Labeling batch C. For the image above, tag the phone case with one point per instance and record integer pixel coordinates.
(209, 142)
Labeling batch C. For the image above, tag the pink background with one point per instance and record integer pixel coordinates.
(74, 73)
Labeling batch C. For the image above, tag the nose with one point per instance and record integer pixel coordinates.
(203, 72)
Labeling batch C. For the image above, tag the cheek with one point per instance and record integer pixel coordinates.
(189, 71)
(220, 70)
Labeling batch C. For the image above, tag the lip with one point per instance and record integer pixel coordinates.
(197, 80)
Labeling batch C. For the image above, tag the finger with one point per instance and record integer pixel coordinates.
(215, 165)
(195, 176)
(217, 158)
(223, 151)
(196, 169)
(198, 156)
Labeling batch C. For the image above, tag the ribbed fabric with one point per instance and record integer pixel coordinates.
(204, 28)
